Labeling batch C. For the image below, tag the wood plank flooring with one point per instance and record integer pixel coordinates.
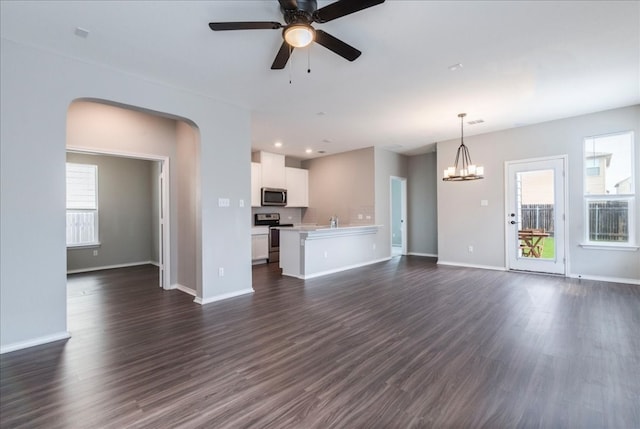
(399, 344)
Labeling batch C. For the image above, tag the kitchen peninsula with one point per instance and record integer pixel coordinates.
(312, 251)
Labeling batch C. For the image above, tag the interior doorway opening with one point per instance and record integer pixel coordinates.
(398, 198)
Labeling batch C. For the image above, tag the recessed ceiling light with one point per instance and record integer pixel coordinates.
(321, 151)
(454, 67)
(326, 141)
(309, 150)
(277, 144)
(320, 113)
(81, 32)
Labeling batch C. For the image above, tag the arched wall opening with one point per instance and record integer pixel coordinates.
(108, 128)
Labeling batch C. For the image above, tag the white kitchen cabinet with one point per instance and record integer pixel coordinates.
(256, 184)
(297, 185)
(273, 175)
(259, 246)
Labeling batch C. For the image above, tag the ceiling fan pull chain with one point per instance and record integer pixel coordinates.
(290, 61)
(309, 59)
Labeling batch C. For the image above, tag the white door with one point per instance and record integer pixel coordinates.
(535, 215)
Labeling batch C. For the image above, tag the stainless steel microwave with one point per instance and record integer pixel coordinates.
(274, 197)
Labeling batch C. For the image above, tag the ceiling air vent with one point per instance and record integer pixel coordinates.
(477, 121)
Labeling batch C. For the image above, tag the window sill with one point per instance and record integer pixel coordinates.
(83, 246)
(622, 247)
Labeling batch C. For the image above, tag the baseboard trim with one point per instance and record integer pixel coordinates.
(428, 255)
(184, 289)
(483, 267)
(204, 301)
(35, 342)
(337, 270)
(109, 267)
(605, 279)
(156, 263)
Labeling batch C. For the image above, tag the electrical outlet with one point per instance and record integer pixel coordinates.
(221, 272)
(326, 254)
(95, 253)
(470, 249)
(241, 203)
(223, 202)
(360, 216)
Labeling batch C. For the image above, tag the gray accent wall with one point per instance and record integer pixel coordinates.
(36, 91)
(186, 155)
(341, 185)
(422, 228)
(387, 164)
(125, 213)
(462, 221)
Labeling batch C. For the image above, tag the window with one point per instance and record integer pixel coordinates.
(609, 191)
(82, 205)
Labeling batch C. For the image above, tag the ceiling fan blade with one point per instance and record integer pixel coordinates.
(282, 56)
(342, 8)
(249, 25)
(288, 4)
(336, 45)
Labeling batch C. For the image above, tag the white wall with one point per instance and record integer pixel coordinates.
(462, 221)
(36, 90)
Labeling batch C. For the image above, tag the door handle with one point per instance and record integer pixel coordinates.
(513, 222)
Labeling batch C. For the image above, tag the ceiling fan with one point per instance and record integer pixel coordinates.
(298, 32)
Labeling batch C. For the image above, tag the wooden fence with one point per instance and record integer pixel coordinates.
(537, 216)
(608, 220)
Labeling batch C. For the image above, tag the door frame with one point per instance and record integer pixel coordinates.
(403, 212)
(164, 252)
(565, 187)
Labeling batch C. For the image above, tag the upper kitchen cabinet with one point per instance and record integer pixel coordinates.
(297, 181)
(256, 184)
(272, 164)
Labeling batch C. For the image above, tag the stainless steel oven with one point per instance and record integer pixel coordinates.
(272, 220)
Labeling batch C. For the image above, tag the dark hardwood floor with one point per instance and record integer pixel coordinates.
(400, 344)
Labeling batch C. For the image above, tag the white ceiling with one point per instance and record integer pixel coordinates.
(524, 62)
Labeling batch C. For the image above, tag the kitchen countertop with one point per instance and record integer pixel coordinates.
(259, 230)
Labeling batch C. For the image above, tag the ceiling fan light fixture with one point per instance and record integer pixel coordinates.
(299, 35)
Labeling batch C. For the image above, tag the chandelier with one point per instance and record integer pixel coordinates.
(467, 170)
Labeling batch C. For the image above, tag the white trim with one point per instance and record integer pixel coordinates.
(336, 270)
(222, 297)
(462, 264)
(35, 342)
(605, 279)
(428, 255)
(83, 246)
(156, 263)
(623, 247)
(109, 267)
(184, 289)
